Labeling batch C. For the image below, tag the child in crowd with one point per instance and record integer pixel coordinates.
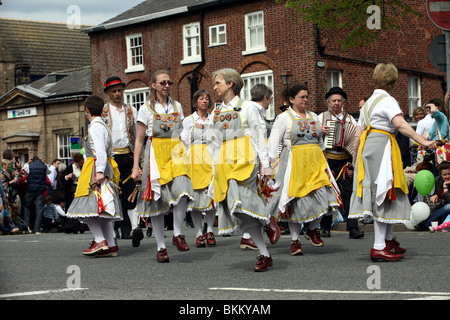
(51, 217)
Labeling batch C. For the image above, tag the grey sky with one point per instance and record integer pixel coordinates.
(91, 12)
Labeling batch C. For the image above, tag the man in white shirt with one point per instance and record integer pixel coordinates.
(424, 125)
(121, 119)
(53, 177)
(339, 159)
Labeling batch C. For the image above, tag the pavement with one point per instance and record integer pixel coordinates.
(51, 267)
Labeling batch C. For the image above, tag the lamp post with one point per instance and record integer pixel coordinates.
(286, 77)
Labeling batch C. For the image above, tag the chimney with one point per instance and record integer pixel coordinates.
(22, 73)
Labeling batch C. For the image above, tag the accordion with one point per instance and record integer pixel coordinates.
(342, 134)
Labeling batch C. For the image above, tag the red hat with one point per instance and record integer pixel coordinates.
(112, 81)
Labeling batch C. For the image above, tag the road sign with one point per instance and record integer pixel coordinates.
(439, 13)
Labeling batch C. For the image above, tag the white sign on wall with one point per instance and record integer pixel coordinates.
(21, 113)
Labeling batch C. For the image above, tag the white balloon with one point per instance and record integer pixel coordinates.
(420, 211)
(410, 224)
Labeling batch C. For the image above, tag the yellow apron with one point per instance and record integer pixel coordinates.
(236, 161)
(84, 180)
(309, 170)
(201, 166)
(171, 159)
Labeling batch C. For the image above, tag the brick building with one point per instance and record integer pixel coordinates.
(263, 41)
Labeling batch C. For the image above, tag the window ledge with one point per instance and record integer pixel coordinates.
(254, 51)
(191, 60)
(135, 69)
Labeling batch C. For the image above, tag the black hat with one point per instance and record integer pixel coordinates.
(336, 90)
(112, 81)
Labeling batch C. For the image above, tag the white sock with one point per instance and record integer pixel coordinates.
(257, 237)
(158, 231)
(380, 235)
(246, 235)
(209, 218)
(315, 224)
(197, 219)
(134, 218)
(96, 228)
(108, 231)
(295, 229)
(179, 213)
(389, 232)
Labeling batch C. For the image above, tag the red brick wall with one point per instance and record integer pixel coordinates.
(291, 45)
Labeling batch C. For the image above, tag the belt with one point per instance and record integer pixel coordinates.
(122, 150)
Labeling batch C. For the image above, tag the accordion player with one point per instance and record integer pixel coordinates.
(342, 135)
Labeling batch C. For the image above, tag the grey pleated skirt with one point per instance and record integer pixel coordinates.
(394, 211)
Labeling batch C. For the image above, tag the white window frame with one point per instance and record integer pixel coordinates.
(216, 42)
(191, 32)
(63, 144)
(414, 97)
(132, 66)
(251, 79)
(131, 94)
(250, 47)
(334, 78)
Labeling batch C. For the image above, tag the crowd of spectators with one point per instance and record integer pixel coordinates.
(34, 196)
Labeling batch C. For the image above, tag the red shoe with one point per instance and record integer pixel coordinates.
(296, 248)
(273, 230)
(248, 244)
(180, 243)
(96, 247)
(384, 255)
(162, 256)
(394, 246)
(263, 263)
(111, 252)
(314, 237)
(210, 240)
(200, 242)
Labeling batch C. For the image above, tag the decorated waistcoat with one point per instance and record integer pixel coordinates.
(229, 123)
(200, 158)
(131, 129)
(304, 131)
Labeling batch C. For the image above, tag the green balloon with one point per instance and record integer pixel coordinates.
(424, 182)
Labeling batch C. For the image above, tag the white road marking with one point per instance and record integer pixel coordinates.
(434, 294)
(32, 293)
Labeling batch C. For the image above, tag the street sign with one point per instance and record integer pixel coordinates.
(439, 13)
(75, 144)
(436, 53)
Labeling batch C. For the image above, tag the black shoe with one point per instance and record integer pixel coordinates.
(325, 233)
(356, 234)
(136, 237)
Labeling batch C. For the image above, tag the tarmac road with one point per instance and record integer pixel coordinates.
(51, 266)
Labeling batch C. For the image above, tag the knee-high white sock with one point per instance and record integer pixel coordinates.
(197, 219)
(179, 213)
(134, 218)
(380, 235)
(96, 229)
(315, 224)
(389, 232)
(209, 218)
(108, 231)
(158, 231)
(256, 234)
(294, 229)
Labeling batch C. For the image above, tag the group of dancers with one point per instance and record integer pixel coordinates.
(225, 163)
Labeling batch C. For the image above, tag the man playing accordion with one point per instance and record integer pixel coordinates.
(338, 127)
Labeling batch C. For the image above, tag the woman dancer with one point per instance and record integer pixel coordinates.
(379, 187)
(236, 163)
(305, 193)
(194, 135)
(99, 170)
(165, 174)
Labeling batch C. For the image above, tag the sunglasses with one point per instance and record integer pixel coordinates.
(165, 83)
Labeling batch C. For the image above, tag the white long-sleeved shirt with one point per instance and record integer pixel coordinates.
(99, 140)
(119, 126)
(281, 132)
(252, 127)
